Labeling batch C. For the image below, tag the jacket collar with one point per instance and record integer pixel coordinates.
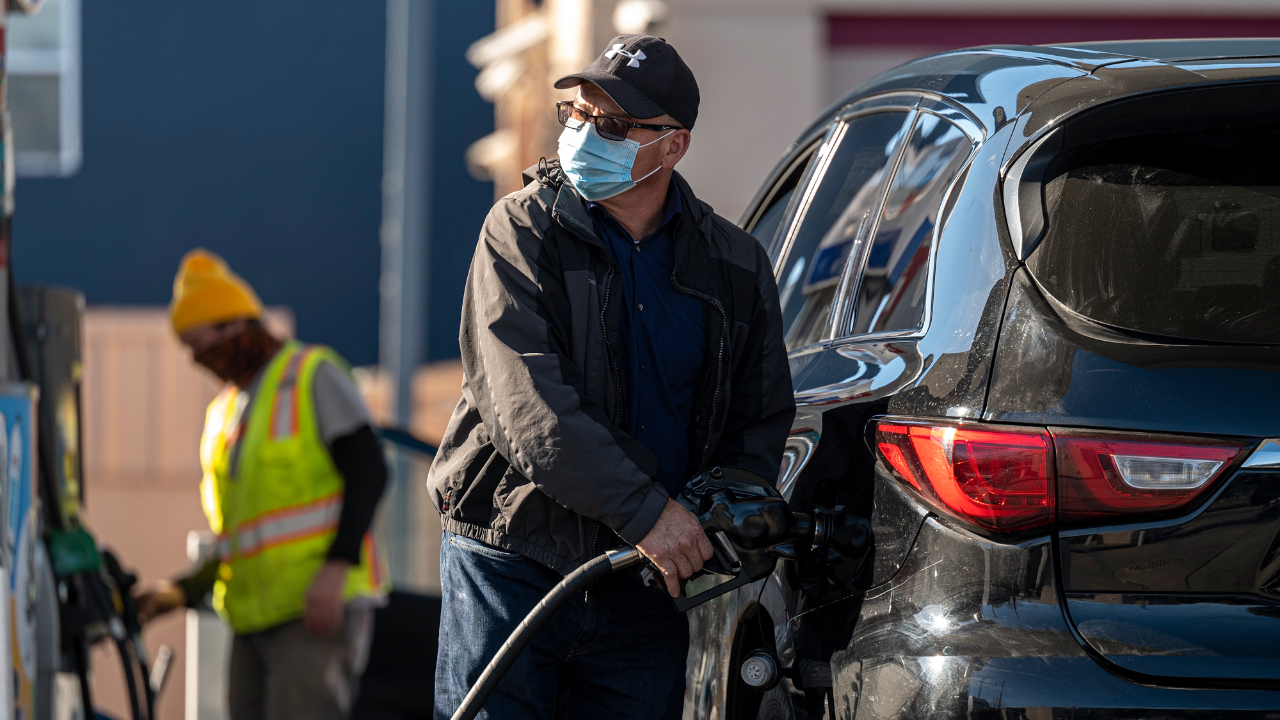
(692, 239)
(692, 233)
(570, 208)
(571, 211)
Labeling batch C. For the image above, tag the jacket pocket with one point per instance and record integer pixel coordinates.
(477, 502)
(580, 286)
(475, 546)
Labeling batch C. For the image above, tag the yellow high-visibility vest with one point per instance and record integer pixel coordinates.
(276, 515)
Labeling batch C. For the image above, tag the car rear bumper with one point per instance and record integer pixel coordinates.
(1025, 687)
(968, 628)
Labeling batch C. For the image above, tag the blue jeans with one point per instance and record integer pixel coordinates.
(616, 651)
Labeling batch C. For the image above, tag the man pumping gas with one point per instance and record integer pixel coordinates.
(617, 337)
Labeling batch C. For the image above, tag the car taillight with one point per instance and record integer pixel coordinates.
(997, 478)
(1006, 478)
(1106, 475)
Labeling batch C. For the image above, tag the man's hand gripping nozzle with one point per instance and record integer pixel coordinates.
(751, 526)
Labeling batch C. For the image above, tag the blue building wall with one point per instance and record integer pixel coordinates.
(255, 131)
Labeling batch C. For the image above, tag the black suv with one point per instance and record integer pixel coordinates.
(1032, 301)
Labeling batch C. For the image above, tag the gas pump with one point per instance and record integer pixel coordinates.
(18, 550)
(92, 590)
(59, 594)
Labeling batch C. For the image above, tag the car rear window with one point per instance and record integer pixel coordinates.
(891, 293)
(841, 198)
(1173, 235)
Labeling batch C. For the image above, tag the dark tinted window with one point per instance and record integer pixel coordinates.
(766, 228)
(827, 226)
(1173, 236)
(772, 218)
(891, 295)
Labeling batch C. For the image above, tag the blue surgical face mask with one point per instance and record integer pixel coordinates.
(599, 168)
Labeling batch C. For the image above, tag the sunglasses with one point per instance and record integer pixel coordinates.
(609, 128)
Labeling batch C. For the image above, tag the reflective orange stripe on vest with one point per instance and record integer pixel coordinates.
(284, 409)
(282, 526)
(375, 562)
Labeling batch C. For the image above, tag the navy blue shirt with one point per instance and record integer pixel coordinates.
(661, 340)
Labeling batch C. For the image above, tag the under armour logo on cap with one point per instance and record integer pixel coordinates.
(617, 50)
(645, 77)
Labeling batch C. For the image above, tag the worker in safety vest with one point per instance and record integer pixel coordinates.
(292, 476)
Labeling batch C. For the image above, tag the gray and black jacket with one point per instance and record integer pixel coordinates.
(533, 460)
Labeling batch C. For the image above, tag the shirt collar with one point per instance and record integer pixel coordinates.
(673, 211)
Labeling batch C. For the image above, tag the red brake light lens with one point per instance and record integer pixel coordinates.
(1003, 478)
(997, 478)
(1104, 476)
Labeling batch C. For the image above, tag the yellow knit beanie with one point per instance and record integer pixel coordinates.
(206, 292)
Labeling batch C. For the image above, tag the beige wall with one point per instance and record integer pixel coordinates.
(759, 67)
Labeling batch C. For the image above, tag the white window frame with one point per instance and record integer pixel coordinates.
(63, 63)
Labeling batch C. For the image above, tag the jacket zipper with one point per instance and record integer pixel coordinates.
(617, 373)
(715, 395)
(613, 359)
(595, 538)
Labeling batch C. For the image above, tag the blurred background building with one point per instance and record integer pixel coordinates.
(253, 131)
(146, 128)
(766, 68)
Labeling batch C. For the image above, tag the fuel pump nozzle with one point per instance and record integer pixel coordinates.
(751, 526)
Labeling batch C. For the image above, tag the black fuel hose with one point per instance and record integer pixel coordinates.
(573, 583)
(115, 626)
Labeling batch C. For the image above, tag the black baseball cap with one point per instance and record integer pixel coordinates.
(645, 76)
